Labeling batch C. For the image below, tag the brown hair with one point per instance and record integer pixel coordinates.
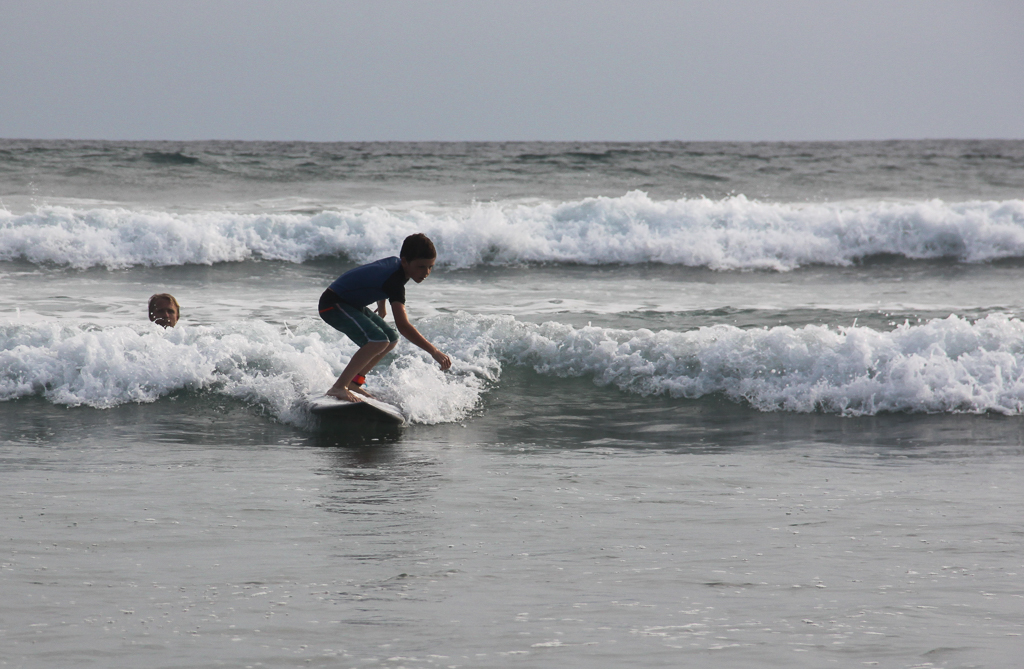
(418, 246)
(163, 296)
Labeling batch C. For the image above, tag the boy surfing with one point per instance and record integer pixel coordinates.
(344, 306)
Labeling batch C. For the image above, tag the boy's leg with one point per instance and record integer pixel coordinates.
(374, 337)
(369, 366)
(380, 328)
(367, 356)
(377, 358)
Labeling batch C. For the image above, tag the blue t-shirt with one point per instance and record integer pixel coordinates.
(382, 279)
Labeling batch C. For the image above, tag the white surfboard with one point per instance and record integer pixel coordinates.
(369, 409)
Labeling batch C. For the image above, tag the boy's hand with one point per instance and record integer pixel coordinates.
(382, 308)
(441, 359)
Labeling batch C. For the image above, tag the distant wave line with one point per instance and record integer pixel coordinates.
(734, 233)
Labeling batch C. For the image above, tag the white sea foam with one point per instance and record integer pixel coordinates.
(945, 365)
(269, 367)
(733, 233)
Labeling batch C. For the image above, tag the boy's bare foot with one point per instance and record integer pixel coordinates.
(343, 394)
(358, 389)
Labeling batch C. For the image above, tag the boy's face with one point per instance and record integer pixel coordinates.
(164, 313)
(418, 269)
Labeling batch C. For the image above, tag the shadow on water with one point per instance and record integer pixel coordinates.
(188, 419)
(548, 412)
(334, 433)
(526, 410)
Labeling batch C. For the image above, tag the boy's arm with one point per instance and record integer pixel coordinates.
(413, 335)
(382, 309)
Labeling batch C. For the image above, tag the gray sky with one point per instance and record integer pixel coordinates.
(512, 70)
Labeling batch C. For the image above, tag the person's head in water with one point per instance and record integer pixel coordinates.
(164, 310)
(418, 256)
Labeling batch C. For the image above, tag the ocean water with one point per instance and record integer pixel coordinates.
(712, 404)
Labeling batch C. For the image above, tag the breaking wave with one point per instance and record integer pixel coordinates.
(950, 365)
(728, 234)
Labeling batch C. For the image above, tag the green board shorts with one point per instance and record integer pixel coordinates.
(357, 323)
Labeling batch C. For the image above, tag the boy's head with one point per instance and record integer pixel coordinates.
(164, 310)
(418, 256)
(418, 246)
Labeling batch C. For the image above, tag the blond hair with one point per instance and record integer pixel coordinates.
(163, 296)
